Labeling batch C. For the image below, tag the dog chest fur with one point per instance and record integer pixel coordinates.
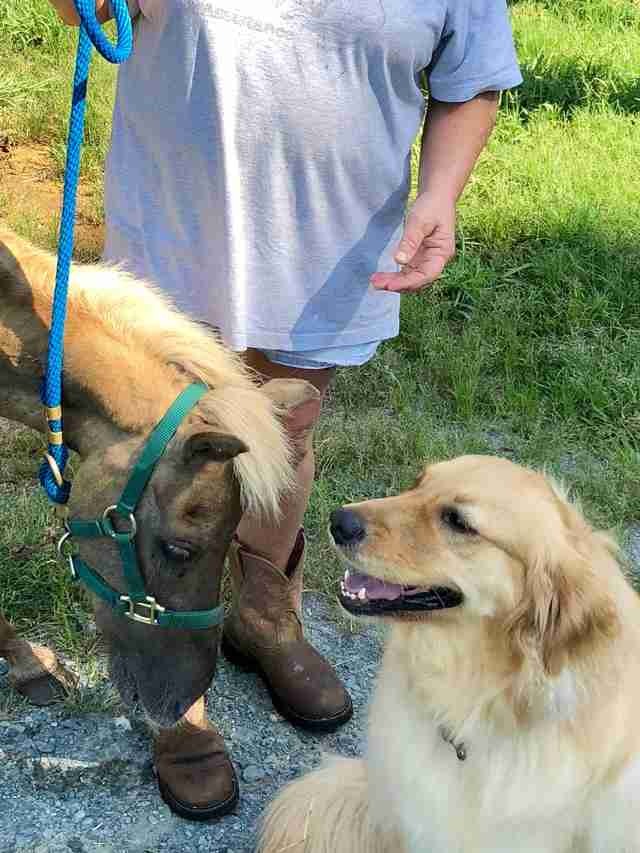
(502, 791)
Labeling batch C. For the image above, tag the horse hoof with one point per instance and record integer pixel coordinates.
(48, 688)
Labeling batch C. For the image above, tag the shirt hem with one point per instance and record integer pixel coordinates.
(304, 343)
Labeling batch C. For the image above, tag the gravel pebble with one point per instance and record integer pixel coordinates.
(252, 773)
(122, 723)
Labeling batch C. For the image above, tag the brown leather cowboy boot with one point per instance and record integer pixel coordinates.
(263, 632)
(195, 775)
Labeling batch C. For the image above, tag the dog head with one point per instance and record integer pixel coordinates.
(482, 539)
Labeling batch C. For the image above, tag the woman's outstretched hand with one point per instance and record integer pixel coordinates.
(427, 245)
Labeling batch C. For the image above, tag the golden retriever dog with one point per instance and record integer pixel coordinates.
(506, 715)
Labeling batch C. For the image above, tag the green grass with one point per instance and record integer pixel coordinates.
(38, 55)
(529, 346)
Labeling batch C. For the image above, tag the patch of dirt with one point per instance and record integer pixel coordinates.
(32, 191)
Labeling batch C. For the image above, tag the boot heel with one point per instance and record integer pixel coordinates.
(236, 657)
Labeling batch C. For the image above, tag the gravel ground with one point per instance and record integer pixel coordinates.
(633, 548)
(84, 784)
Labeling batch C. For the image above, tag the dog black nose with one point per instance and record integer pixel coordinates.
(347, 528)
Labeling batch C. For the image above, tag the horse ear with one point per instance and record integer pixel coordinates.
(298, 407)
(203, 444)
(565, 612)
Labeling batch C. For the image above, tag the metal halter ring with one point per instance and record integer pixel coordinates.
(55, 470)
(110, 529)
(63, 554)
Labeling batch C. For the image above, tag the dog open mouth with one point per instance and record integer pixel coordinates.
(364, 595)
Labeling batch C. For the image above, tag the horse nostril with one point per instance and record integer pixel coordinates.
(347, 528)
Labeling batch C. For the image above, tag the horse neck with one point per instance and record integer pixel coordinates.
(105, 375)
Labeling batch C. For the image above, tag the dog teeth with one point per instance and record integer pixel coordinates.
(352, 595)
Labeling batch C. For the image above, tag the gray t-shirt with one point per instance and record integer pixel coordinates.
(259, 164)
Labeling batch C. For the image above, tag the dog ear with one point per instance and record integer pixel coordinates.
(565, 612)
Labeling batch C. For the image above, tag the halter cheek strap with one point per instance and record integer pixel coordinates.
(137, 605)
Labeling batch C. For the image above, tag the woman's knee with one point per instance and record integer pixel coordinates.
(266, 370)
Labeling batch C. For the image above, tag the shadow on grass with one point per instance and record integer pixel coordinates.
(571, 84)
(540, 331)
(576, 262)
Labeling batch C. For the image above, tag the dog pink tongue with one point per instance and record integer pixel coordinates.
(374, 588)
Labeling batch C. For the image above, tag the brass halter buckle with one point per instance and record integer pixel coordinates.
(143, 611)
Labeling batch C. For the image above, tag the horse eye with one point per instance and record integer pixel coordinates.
(179, 553)
(455, 521)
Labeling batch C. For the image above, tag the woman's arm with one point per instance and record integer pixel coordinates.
(67, 11)
(454, 136)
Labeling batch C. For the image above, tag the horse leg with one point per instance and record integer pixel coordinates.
(35, 672)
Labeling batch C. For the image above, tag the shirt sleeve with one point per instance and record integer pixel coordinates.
(476, 52)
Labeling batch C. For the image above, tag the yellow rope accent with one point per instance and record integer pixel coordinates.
(53, 413)
(54, 437)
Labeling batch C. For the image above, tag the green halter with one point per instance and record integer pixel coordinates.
(137, 605)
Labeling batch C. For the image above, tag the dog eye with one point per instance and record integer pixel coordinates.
(178, 553)
(454, 520)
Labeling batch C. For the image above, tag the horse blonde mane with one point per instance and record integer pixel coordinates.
(132, 350)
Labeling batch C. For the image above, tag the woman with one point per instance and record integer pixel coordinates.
(259, 172)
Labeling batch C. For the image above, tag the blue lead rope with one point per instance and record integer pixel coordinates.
(91, 34)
